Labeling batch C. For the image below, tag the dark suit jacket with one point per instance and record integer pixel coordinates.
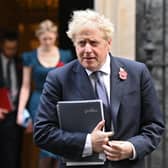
(10, 141)
(135, 109)
(18, 67)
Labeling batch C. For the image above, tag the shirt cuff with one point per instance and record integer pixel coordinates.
(134, 152)
(87, 151)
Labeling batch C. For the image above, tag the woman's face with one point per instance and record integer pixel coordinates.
(47, 39)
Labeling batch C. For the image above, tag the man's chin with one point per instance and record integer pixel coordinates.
(91, 68)
(90, 65)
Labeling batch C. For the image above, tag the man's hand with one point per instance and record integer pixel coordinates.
(3, 113)
(98, 137)
(118, 150)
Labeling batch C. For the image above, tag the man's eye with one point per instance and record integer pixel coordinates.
(94, 43)
(81, 43)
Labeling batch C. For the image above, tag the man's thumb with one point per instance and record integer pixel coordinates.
(100, 125)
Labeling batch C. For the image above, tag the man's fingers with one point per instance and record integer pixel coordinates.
(117, 142)
(107, 148)
(5, 111)
(117, 145)
(100, 125)
(112, 153)
(2, 110)
(118, 150)
(109, 134)
(110, 149)
(2, 116)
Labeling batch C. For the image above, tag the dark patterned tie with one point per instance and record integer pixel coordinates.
(101, 93)
(8, 74)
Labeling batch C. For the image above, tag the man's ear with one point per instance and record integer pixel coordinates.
(109, 41)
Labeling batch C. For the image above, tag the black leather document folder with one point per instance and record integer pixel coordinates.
(81, 116)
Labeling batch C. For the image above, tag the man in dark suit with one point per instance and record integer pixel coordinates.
(10, 70)
(132, 111)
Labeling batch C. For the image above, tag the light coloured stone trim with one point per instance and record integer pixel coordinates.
(122, 14)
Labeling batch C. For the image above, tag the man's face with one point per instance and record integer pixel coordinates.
(91, 48)
(9, 48)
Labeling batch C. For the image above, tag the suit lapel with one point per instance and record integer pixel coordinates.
(16, 71)
(117, 86)
(83, 83)
(2, 83)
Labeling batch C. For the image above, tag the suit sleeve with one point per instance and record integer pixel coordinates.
(151, 124)
(47, 134)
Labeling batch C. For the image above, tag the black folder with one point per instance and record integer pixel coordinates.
(81, 116)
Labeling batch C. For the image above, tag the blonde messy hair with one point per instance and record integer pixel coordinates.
(89, 18)
(46, 26)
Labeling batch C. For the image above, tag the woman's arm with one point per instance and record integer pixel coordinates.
(24, 93)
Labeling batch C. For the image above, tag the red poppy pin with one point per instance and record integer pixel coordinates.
(123, 74)
(60, 64)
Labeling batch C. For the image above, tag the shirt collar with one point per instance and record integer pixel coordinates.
(5, 59)
(105, 68)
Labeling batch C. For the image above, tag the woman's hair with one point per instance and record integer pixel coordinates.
(46, 26)
(88, 18)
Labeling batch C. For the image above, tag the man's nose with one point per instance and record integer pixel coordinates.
(88, 47)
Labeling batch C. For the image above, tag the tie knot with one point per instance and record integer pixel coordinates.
(96, 74)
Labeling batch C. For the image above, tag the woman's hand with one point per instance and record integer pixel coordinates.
(19, 119)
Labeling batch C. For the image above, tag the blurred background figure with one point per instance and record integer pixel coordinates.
(36, 65)
(10, 132)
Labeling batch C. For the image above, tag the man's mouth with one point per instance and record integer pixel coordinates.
(89, 58)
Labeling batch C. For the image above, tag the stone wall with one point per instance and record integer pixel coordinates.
(151, 48)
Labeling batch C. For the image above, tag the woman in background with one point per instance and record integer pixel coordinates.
(36, 65)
